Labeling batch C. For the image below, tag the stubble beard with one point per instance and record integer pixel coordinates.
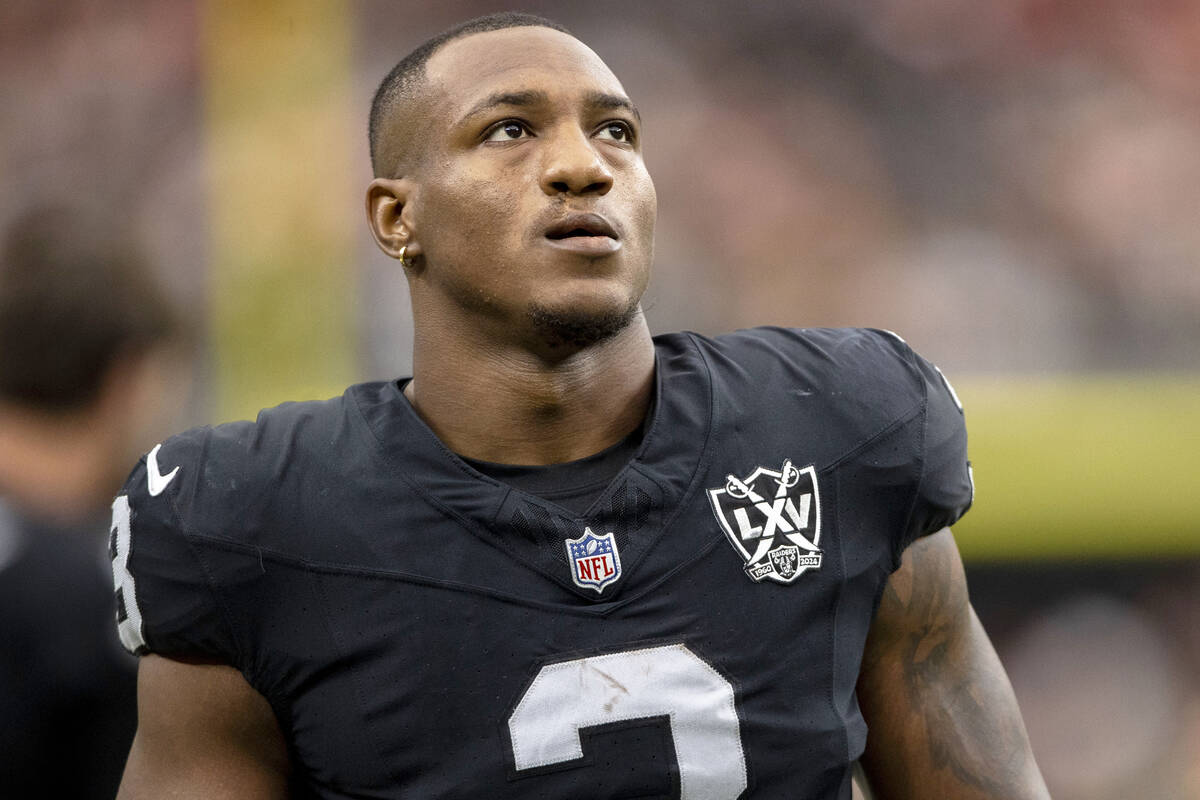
(577, 329)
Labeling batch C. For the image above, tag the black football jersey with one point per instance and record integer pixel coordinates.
(424, 631)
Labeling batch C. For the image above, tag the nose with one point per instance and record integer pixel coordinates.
(573, 166)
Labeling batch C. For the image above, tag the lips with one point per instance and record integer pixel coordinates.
(580, 225)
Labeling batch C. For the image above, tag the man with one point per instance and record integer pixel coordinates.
(80, 382)
(564, 559)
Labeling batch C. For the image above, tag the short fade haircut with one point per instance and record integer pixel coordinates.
(401, 84)
(74, 299)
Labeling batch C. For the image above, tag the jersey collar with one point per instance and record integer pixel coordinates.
(638, 506)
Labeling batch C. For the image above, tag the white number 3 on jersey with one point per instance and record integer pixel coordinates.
(669, 681)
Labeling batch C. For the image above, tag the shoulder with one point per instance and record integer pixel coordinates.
(205, 493)
(870, 374)
(857, 396)
(217, 481)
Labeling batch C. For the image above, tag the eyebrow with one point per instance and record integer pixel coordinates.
(606, 100)
(531, 97)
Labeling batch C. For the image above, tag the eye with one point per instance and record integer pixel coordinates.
(616, 131)
(508, 130)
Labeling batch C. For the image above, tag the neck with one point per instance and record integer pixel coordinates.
(500, 402)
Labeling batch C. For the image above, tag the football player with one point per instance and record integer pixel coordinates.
(83, 385)
(564, 558)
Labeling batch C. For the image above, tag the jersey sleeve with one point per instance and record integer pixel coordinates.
(165, 602)
(945, 487)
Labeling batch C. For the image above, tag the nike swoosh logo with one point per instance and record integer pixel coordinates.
(156, 480)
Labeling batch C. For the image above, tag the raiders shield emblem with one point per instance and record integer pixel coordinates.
(773, 520)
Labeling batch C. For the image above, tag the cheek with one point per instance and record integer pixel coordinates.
(651, 210)
(488, 189)
(462, 217)
(646, 205)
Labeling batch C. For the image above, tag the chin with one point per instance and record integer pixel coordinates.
(579, 326)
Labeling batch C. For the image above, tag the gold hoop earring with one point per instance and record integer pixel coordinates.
(404, 262)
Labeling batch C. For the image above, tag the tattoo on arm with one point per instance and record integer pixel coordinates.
(956, 696)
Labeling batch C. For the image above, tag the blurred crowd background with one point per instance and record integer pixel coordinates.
(1013, 186)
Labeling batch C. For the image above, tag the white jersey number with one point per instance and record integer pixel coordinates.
(669, 681)
(129, 616)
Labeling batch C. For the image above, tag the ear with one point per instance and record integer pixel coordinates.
(389, 213)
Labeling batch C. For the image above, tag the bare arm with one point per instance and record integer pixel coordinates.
(942, 716)
(203, 732)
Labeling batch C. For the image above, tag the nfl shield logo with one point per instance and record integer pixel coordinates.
(773, 520)
(595, 562)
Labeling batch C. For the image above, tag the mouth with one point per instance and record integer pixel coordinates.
(580, 225)
(584, 234)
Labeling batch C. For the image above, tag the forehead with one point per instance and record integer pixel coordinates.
(474, 67)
